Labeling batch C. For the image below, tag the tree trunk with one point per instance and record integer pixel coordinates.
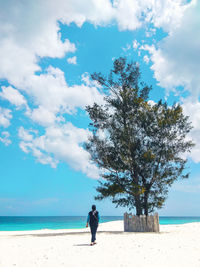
(138, 205)
(146, 210)
(146, 197)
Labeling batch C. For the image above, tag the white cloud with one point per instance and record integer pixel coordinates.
(29, 32)
(132, 14)
(25, 135)
(150, 32)
(72, 60)
(4, 138)
(135, 44)
(13, 96)
(166, 14)
(61, 97)
(146, 59)
(59, 143)
(191, 108)
(176, 61)
(42, 116)
(127, 14)
(5, 117)
(17, 63)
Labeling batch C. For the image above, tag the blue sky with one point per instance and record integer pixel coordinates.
(48, 52)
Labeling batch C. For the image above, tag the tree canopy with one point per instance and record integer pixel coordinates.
(137, 144)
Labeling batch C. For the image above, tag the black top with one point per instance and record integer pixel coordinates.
(93, 217)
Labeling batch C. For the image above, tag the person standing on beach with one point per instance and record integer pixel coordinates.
(93, 220)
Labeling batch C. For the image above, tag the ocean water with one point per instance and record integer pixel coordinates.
(25, 223)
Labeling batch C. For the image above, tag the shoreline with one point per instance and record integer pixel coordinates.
(103, 227)
(26, 225)
(58, 231)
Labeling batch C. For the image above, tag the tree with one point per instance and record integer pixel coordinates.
(137, 144)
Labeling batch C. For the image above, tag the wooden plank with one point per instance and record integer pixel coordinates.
(141, 223)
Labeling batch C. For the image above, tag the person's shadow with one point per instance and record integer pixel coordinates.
(82, 245)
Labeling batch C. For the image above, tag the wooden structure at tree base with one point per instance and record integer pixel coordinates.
(141, 223)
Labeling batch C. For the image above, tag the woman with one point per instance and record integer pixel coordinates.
(93, 220)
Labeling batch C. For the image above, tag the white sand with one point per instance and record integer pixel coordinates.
(175, 245)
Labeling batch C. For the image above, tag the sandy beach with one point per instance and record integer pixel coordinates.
(175, 245)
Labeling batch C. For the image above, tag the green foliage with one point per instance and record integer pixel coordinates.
(138, 146)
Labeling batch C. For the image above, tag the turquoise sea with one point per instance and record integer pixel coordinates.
(24, 223)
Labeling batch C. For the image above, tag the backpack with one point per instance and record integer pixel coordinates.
(93, 217)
